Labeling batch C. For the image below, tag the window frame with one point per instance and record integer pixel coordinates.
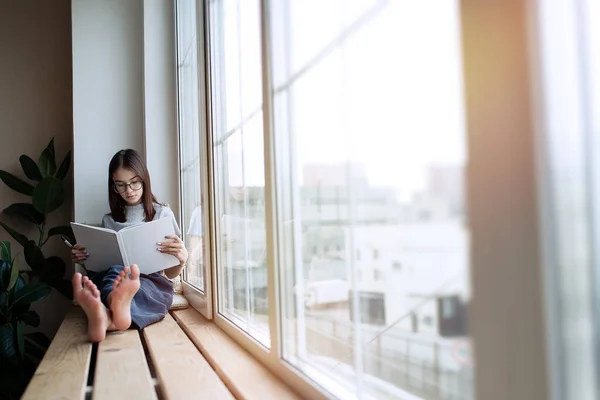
(488, 300)
(270, 358)
(201, 300)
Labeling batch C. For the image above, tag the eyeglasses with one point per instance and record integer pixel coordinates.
(122, 187)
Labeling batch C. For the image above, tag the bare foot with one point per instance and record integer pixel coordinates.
(125, 287)
(88, 297)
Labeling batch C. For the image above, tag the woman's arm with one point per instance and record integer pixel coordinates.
(173, 272)
(175, 247)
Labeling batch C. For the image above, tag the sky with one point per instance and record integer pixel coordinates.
(390, 97)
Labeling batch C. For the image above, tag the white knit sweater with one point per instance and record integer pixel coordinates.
(135, 216)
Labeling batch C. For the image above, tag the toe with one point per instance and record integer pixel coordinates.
(135, 271)
(76, 281)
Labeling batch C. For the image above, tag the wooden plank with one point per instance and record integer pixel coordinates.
(63, 372)
(181, 370)
(121, 369)
(246, 377)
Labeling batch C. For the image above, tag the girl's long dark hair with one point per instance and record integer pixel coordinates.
(132, 160)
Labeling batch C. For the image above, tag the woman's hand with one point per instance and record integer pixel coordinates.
(79, 254)
(175, 247)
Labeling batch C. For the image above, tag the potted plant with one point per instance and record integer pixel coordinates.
(20, 353)
(45, 188)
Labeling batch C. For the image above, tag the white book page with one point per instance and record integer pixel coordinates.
(140, 245)
(102, 245)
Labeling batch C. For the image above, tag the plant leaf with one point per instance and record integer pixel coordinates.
(18, 285)
(55, 268)
(3, 308)
(51, 146)
(63, 170)
(47, 162)
(24, 211)
(5, 271)
(34, 256)
(20, 338)
(16, 184)
(8, 345)
(14, 275)
(62, 230)
(48, 195)
(30, 168)
(11, 295)
(31, 293)
(31, 318)
(19, 237)
(5, 251)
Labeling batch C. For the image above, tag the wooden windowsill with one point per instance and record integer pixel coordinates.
(184, 356)
(243, 375)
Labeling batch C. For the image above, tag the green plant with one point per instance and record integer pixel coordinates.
(45, 188)
(19, 352)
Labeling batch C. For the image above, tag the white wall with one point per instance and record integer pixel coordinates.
(161, 144)
(108, 95)
(124, 94)
(35, 105)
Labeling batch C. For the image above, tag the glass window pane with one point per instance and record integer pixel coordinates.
(374, 264)
(568, 35)
(236, 91)
(189, 136)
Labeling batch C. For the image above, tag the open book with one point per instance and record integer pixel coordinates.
(136, 244)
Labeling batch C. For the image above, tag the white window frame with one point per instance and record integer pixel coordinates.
(201, 300)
